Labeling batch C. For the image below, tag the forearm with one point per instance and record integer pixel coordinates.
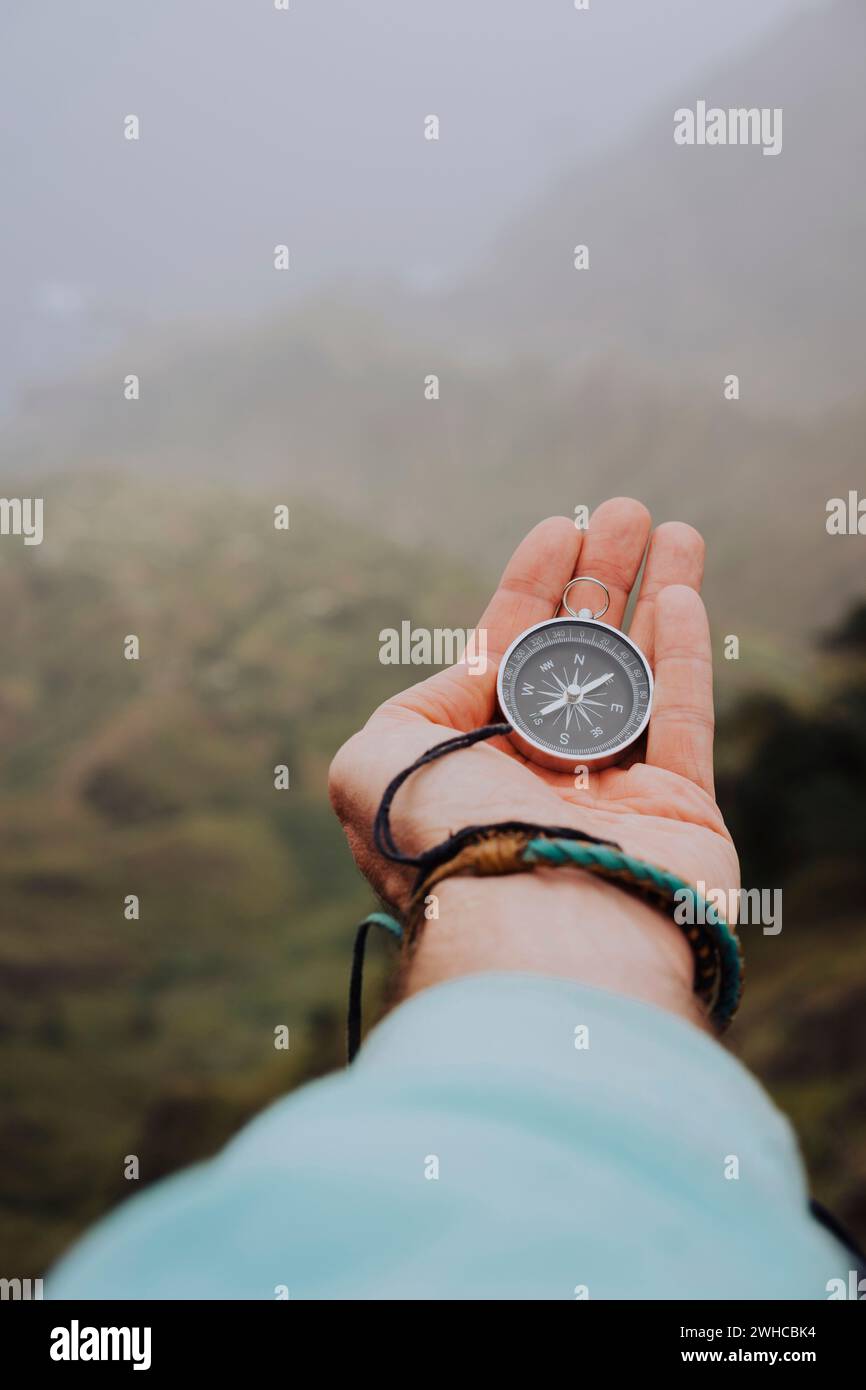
(556, 922)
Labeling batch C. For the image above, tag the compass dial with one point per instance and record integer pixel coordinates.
(575, 691)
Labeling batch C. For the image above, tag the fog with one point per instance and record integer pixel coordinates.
(304, 127)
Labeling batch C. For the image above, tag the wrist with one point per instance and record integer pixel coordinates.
(561, 922)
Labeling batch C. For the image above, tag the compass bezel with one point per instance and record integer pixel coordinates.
(546, 757)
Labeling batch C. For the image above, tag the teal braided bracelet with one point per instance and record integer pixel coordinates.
(714, 943)
(667, 888)
(518, 846)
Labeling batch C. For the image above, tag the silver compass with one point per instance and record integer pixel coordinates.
(575, 690)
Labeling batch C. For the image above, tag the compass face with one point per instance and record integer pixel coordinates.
(576, 691)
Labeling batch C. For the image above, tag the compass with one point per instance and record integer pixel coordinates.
(576, 691)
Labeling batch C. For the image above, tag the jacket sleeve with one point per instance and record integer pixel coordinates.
(499, 1136)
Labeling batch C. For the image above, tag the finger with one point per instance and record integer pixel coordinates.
(680, 735)
(529, 591)
(612, 552)
(676, 556)
(531, 586)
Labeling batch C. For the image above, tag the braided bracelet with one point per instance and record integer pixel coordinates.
(519, 847)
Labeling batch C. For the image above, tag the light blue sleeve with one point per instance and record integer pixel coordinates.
(499, 1136)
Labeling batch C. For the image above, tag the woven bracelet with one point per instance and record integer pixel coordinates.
(718, 977)
(518, 847)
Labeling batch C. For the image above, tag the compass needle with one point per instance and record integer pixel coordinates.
(557, 704)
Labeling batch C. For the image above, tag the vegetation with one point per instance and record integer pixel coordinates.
(154, 777)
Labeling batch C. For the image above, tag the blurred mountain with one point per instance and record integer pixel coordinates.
(303, 125)
(557, 387)
(705, 261)
(329, 403)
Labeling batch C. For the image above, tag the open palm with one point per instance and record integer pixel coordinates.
(660, 807)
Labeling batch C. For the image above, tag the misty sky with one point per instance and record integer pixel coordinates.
(306, 128)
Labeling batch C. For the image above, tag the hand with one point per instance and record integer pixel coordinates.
(660, 807)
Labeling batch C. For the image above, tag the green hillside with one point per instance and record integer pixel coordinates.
(155, 1037)
(155, 778)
